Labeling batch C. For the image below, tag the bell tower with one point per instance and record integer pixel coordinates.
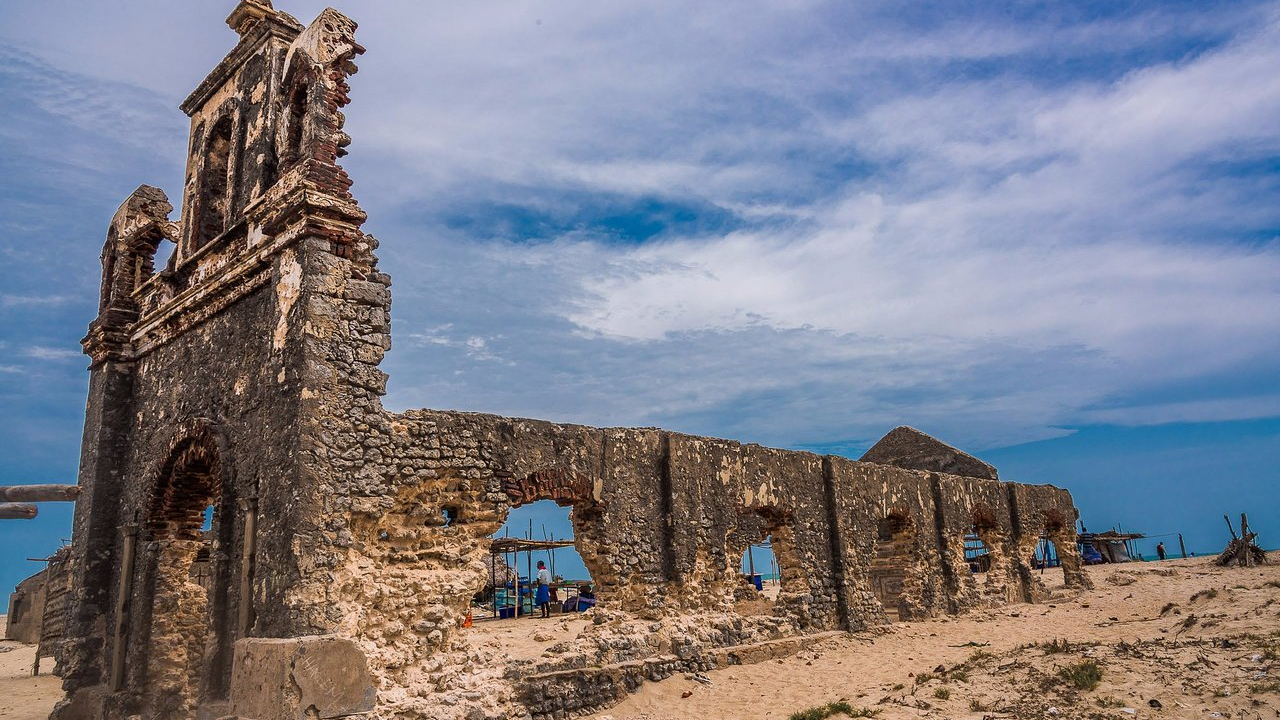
(212, 377)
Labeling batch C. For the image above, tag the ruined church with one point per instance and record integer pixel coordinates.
(240, 381)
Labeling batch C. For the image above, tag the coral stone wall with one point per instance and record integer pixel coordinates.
(661, 520)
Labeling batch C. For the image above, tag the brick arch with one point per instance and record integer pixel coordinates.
(193, 475)
(897, 520)
(755, 524)
(128, 255)
(302, 91)
(983, 518)
(188, 624)
(566, 487)
(215, 182)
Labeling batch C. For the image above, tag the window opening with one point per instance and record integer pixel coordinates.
(543, 532)
(892, 558)
(182, 527)
(164, 251)
(976, 553)
(297, 117)
(1046, 555)
(215, 184)
(760, 568)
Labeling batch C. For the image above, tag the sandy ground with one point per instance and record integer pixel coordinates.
(1176, 639)
(1159, 633)
(23, 697)
(526, 638)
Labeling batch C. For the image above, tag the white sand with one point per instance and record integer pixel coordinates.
(526, 638)
(23, 697)
(1181, 669)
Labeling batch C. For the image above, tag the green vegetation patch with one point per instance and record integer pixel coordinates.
(1082, 675)
(840, 707)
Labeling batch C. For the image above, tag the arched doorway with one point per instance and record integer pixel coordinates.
(571, 490)
(191, 554)
(540, 531)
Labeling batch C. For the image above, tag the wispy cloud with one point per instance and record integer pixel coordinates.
(47, 353)
(10, 301)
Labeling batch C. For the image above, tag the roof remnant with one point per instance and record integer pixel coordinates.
(910, 449)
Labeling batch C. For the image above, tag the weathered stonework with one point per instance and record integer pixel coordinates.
(347, 541)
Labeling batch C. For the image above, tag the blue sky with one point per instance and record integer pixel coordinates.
(1046, 233)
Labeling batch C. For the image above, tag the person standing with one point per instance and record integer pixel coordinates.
(1160, 550)
(542, 598)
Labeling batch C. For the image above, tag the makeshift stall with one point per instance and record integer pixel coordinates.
(514, 597)
(1108, 547)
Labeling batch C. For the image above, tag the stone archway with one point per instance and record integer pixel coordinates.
(565, 487)
(774, 524)
(188, 571)
(582, 496)
(998, 582)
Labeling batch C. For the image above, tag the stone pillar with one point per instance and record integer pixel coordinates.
(837, 527)
(1073, 574)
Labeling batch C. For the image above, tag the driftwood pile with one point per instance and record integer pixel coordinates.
(1242, 550)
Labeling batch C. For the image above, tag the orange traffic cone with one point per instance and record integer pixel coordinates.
(466, 622)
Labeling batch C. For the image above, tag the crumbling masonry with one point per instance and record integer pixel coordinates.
(243, 377)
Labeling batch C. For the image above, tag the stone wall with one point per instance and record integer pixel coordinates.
(662, 520)
(26, 608)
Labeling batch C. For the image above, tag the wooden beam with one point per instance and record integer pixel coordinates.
(17, 511)
(39, 493)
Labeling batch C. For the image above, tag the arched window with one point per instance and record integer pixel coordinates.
(761, 571)
(215, 196)
(298, 100)
(512, 586)
(107, 294)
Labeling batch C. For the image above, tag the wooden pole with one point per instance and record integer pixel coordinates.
(248, 546)
(1233, 530)
(1246, 557)
(17, 511)
(493, 578)
(552, 554)
(39, 493)
(751, 563)
(130, 536)
(1183, 546)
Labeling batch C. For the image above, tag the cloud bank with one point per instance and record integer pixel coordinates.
(799, 223)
